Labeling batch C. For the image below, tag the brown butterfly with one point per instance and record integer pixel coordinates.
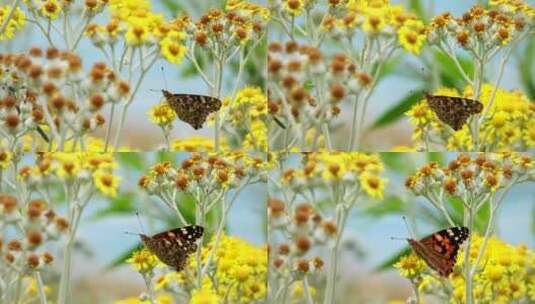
(173, 247)
(453, 111)
(192, 109)
(439, 250)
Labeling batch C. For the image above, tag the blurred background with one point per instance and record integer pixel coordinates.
(368, 252)
(406, 77)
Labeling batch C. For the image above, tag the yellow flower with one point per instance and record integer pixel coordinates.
(294, 7)
(143, 260)
(503, 271)
(106, 182)
(374, 23)
(420, 114)
(68, 165)
(410, 266)
(372, 184)
(298, 292)
(196, 144)
(529, 136)
(160, 299)
(172, 50)
(122, 9)
(403, 149)
(138, 33)
(162, 114)
(205, 295)
(412, 36)
(16, 23)
(241, 271)
(248, 9)
(256, 138)
(5, 159)
(51, 9)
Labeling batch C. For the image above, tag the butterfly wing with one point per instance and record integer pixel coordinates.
(193, 109)
(439, 250)
(173, 247)
(453, 111)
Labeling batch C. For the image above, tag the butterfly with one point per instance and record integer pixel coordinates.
(454, 111)
(173, 247)
(439, 250)
(192, 109)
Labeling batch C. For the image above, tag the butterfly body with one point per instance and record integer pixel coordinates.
(439, 250)
(192, 109)
(173, 247)
(454, 111)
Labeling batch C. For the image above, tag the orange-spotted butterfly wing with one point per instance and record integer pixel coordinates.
(173, 247)
(454, 111)
(192, 109)
(439, 250)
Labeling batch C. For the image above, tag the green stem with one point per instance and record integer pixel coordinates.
(467, 270)
(216, 92)
(306, 288)
(110, 124)
(40, 288)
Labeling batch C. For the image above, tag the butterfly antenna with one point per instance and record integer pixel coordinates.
(397, 238)
(131, 233)
(140, 223)
(411, 233)
(164, 78)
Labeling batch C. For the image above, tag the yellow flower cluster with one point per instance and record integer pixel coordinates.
(160, 299)
(196, 144)
(205, 295)
(505, 273)
(246, 115)
(133, 20)
(245, 8)
(411, 266)
(240, 271)
(92, 167)
(340, 167)
(5, 158)
(508, 126)
(143, 261)
(14, 24)
(162, 114)
(379, 17)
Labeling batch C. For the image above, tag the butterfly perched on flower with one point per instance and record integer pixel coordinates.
(454, 111)
(439, 250)
(173, 247)
(192, 109)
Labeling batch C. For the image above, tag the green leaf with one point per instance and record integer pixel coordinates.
(121, 259)
(397, 162)
(526, 63)
(132, 160)
(389, 262)
(418, 7)
(437, 157)
(450, 76)
(390, 66)
(390, 205)
(173, 6)
(122, 204)
(396, 112)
